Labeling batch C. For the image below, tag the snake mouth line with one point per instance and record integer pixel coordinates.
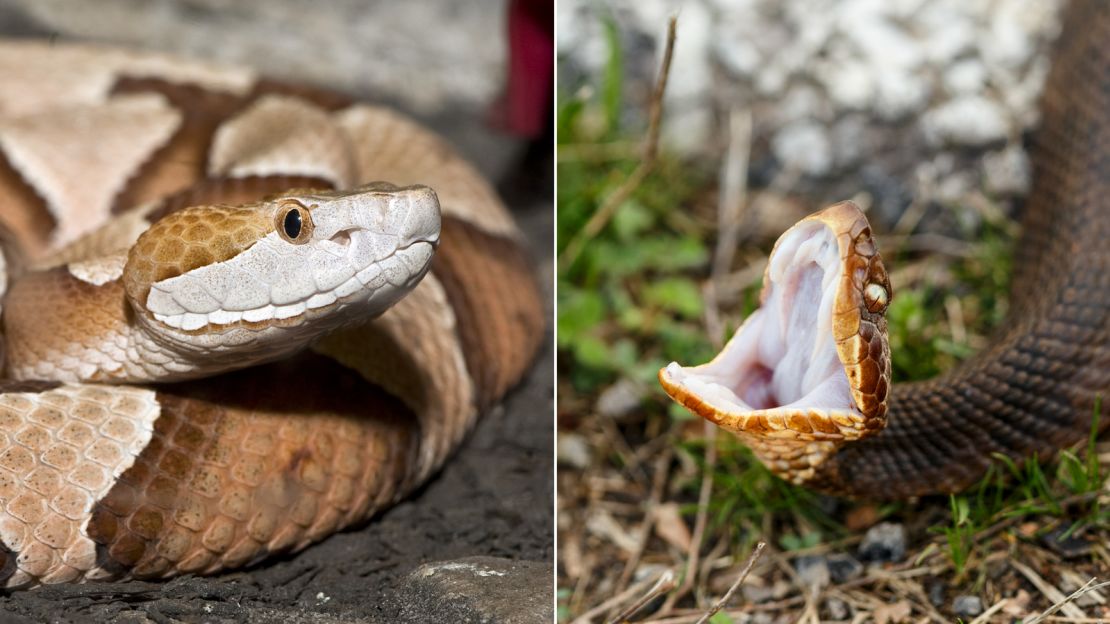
(407, 256)
(780, 371)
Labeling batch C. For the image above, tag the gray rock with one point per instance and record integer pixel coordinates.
(837, 609)
(800, 102)
(936, 593)
(813, 570)
(967, 606)
(1067, 546)
(1007, 172)
(900, 93)
(970, 120)
(479, 590)
(757, 593)
(573, 450)
(804, 145)
(883, 542)
(947, 36)
(738, 56)
(762, 618)
(843, 568)
(849, 139)
(965, 77)
(620, 399)
(850, 83)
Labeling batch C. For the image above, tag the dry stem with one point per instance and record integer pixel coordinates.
(717, 606)
(651, 147)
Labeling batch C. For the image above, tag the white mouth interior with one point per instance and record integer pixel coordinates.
(784, 355)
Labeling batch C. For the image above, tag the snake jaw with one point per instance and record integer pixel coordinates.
(812, 365)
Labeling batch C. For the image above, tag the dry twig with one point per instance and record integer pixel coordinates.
(619, 599)
(700, 521)
(651, 147)
(659, 479)
(1049, 590)
(717, 606)
(730, 212)
(662, 586)
(1089, 586)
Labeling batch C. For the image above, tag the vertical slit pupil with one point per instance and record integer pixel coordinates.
(292, 223)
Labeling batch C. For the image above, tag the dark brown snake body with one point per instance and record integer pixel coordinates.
(1032, 391)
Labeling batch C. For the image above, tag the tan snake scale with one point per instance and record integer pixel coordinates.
(818, 406)
(125, 456)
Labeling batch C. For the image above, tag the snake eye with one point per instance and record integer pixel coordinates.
(875, 297)
(294, 223)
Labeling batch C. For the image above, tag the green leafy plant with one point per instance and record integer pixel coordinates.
(1030, 489)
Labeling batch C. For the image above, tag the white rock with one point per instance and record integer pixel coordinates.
(689, 120)
(965, 77)
(849, 83)
(573, 450)
(1006, 172)
(734, 6)
(904, 9)
(1005, 44)
(690, 69)
(801, 101)
(579, 36)
(687, 128)
(848, 141)
(947, 35)
(804, 145)
(954, 187)
(967, 120)
(620, 399)
(739, 57)
(884, 44)
(1023, 97)
(899, 93)
(770, 80)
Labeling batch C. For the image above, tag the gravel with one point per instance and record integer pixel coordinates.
(813, 570)
(844, 568)
(884, 542)
(967, 606)
(835, 87)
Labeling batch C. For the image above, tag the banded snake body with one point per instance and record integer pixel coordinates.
(239, 315)
(806, 381)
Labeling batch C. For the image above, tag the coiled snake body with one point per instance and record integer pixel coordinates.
(806, 381)
(196, 372)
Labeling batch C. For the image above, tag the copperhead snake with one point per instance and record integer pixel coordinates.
(239, 315)
(806, 380)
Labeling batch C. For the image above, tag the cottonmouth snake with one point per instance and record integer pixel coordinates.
(196, 372)
(806, 380)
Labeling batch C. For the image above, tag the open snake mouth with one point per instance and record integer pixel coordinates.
(784, 372)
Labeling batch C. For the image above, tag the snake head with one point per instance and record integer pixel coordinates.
(811, 367)
(281, 271)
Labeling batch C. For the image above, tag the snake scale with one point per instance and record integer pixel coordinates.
(239, 315)
(805, 382)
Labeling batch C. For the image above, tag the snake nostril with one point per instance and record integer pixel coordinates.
(342, 237)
